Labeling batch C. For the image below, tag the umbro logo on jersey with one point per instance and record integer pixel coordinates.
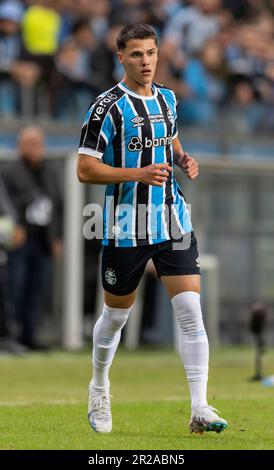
(102, 105)
(136, 145)
(138, 121)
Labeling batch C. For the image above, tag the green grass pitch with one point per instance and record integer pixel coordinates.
(43, 402)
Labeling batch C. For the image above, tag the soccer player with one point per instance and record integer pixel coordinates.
(129, 142)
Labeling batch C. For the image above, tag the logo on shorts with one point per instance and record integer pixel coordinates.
(110, 276)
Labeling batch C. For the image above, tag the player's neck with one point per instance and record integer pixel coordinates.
(139, 89)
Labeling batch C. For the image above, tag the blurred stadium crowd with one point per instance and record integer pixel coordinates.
(218, 55)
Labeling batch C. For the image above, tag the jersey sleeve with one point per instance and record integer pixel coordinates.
(99, 128)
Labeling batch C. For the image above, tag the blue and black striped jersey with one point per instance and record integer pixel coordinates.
(131, 131)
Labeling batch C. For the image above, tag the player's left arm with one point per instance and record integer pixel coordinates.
(184, 161)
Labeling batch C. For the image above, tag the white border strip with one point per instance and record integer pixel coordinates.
(90, 152)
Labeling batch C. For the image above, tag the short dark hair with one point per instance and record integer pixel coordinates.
(135, 31)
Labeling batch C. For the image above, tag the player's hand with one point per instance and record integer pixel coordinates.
(156, 174)
(189, 165)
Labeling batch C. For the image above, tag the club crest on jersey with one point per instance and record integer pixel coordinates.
(110, 276)
(137, 121)
(170, 116)
(136, 145)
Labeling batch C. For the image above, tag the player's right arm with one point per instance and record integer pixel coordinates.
(92, 170)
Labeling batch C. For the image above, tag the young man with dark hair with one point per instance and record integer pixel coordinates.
(129, 142)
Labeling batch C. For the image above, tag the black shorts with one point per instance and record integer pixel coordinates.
(122, 268)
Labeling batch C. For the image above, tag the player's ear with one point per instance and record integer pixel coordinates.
(120, 56)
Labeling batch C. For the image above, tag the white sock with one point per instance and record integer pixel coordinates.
(193, 344)
(106, 337)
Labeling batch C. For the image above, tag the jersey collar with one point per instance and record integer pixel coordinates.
(132, 93)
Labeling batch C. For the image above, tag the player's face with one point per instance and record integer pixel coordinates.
(140, 59)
